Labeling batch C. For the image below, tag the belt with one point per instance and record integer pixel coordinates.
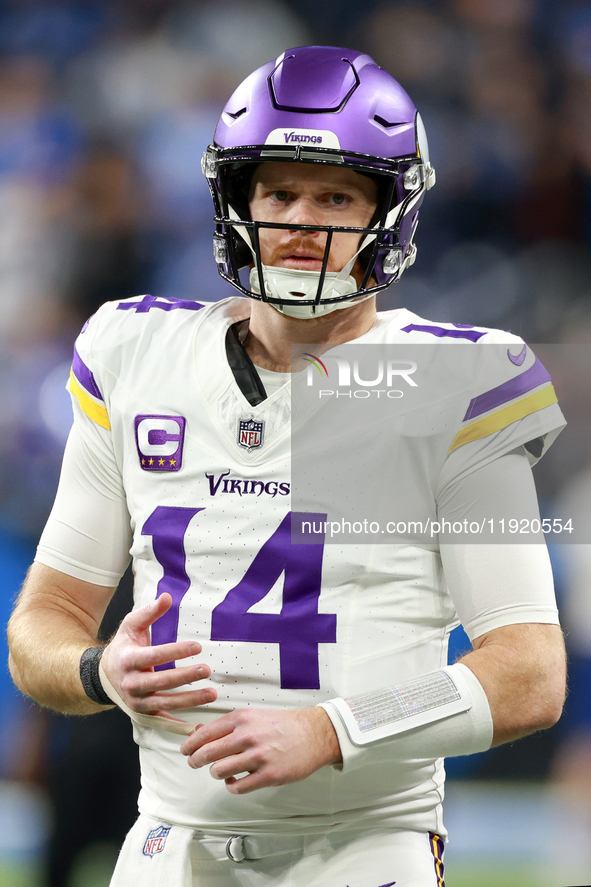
(249, 848)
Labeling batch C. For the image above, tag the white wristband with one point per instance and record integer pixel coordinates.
(441, 714)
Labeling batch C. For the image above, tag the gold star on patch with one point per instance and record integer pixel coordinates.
(172, 461)
(143, 461)
(150, 461)
(160, 461)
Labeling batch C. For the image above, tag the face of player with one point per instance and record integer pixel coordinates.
(295, 194)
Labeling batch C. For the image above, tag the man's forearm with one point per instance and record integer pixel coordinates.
(522, 669)
(47, 634)
(515, 685)
(57, 618)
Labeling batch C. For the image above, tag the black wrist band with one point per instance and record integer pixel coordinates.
(89, 675)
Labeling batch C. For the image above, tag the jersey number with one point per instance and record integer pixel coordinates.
(298, 629)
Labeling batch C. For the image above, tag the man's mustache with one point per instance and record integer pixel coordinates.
(302, 246)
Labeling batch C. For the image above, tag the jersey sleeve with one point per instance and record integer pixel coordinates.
(493, 585)
(512, 403)
(88, 533)
(506, 422)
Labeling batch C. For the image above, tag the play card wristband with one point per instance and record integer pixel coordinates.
(438, 714)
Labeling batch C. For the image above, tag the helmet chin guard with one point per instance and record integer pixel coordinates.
(322, 105)
(286, 285)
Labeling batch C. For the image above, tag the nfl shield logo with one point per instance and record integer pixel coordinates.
(156, 840)
(250, 434)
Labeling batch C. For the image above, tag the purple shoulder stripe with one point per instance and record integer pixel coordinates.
(84, 376)
(443, 332)
(536, 375)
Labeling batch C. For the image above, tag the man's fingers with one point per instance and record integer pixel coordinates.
(143, 683)
(130, 663)
(142, 619)
(247, 784)
(156, 703)
(232, 766)
(260, 748)
(148, 657)
(214, 752)
(211, 751)
(207, 734)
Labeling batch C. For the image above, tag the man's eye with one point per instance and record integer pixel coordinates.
(280, 195)
(339, 199)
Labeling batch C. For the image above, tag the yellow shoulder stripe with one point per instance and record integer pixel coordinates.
(93, 410)
(511, 413)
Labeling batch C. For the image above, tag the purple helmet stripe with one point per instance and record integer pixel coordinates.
(443, 332)
(85, 377)
(536, 375)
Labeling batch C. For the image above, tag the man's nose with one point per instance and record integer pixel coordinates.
(303, 212)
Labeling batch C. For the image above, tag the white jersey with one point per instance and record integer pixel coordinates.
(206, 480)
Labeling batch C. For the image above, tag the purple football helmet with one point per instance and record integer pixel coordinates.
(320, 104)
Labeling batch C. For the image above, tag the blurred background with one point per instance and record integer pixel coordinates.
(105, 109)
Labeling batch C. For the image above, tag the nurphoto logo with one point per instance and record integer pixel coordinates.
(382, 377)
(316, 362)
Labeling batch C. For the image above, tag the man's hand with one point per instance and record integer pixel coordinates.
(273, 747)
(129, 660)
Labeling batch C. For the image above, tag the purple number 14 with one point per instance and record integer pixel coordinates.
(298, 629)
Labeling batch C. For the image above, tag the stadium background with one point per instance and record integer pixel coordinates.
(105, 109)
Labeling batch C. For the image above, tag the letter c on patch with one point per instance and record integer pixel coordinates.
(159, 441)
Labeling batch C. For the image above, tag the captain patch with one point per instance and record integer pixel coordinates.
(159, 441)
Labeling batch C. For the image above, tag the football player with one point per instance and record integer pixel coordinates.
(290, 697)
